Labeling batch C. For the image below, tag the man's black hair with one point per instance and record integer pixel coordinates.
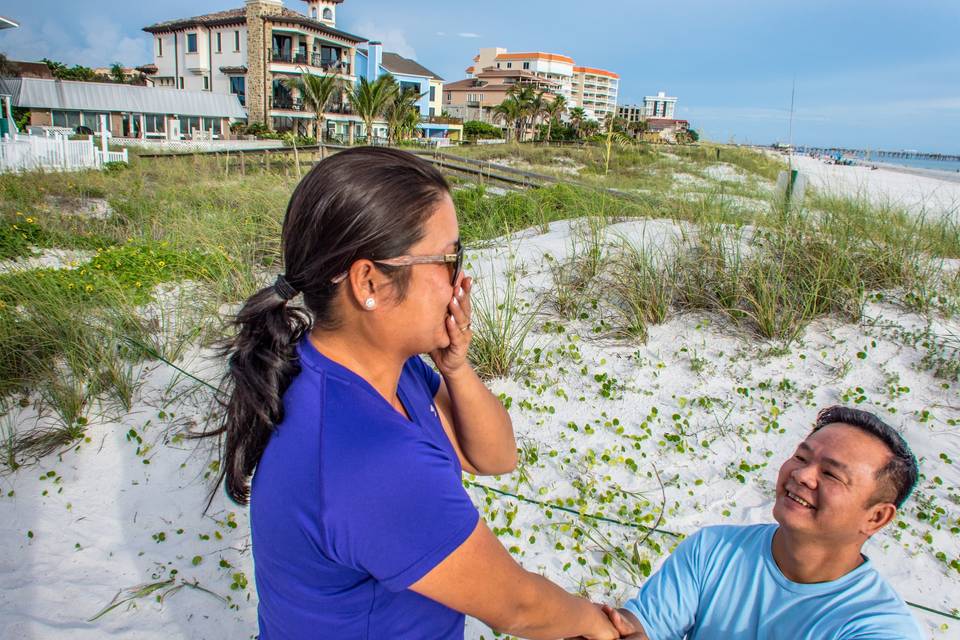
(900, 473)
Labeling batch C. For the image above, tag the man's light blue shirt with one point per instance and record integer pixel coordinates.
(723, 582)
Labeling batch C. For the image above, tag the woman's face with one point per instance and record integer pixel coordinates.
(418, 322)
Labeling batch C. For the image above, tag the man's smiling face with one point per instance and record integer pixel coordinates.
(829, 487)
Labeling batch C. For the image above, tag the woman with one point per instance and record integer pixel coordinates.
(361, 526)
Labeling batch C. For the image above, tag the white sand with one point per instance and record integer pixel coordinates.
(96, 522)
(923, 195)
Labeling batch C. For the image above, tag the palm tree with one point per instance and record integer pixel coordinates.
(402, 114)
(511, 112)
(527, 98)
(537, 108)
(638, 128)
(369, 100)
(554, 111)
(117, 73)
(577, 116)
(316, 92)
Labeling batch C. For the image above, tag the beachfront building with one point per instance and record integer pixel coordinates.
(594, 90)
(410, 74)
(131, 111)
(249, 51)
(658, 106)
(475, 98)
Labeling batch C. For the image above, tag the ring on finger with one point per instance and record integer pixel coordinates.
(465, 327)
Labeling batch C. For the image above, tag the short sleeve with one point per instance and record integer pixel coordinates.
(423, 371)
(404, 509)
(667, 603)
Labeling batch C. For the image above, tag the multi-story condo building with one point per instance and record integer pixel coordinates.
(594, 90)
(658, 106)
(249, 51)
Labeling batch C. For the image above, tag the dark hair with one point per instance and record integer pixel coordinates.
(365, 202)
(896, 478)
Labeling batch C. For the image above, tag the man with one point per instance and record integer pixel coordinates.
(805, 576)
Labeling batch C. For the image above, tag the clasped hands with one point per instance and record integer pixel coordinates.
(626, 625)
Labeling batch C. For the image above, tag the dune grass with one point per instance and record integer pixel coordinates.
(72, 337)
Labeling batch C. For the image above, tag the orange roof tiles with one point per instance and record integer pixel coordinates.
(553, 57)
(598, 72)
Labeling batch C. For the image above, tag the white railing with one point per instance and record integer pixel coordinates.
(30, 153)
(187, 146)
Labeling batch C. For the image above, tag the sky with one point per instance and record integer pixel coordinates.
(872, 74)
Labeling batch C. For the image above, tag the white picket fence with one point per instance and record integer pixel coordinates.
(29, 153)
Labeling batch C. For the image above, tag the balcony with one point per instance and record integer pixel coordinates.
(343, 108)
(315, 60)
(286, 103)
(440, 120)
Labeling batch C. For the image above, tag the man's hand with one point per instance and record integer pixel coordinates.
(626, 624)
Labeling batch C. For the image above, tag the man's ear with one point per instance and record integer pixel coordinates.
(878, 516)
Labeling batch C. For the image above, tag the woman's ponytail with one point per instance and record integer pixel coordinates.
(261, 363)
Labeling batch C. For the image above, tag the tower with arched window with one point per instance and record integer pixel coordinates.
(324, 11)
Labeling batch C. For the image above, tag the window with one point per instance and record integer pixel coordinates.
(159, 47)
(191, 43)
(91, 120)
(236, 41)
(188, 124)
(66, 119)
(219, 42)
(313, 13)
(328, 14)
(212, 123)
(181, 82)
(509, 65)
(433, 112)
(155, 122)
(526, 65)
(206, 83)
(433, 94)
(238, 86)
(449, 96)
(498, 65)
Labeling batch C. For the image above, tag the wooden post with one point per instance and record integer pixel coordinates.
(243, 164)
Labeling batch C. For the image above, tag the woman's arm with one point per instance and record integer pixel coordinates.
(476, 422)
(482, 580)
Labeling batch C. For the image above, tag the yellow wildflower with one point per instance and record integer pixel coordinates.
(30, 220)
(139, 284)
(89, 287)
(161, 264)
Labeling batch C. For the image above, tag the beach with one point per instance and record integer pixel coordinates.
(658, 437)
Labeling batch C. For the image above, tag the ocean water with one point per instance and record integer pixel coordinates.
(919, 163)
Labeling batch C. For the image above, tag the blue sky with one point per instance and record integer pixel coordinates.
(873, 74)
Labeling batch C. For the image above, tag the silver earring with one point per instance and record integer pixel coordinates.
(369, 303)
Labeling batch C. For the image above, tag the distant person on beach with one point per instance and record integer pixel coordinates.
(804, 577)
(361, 526)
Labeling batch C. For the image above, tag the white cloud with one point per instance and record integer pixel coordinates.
(468, 34)
(92, 43)
(393, 38)
(441, 33)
